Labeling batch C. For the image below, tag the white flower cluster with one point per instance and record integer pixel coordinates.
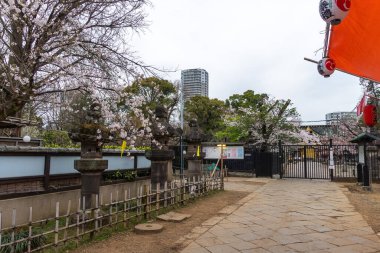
(50, 46)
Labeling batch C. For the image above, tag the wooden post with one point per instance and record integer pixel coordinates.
(150, 199)
(145, 201)
(165, 194)
(172, 193)
(157, 199)
(203, 184)
(30, 229)
(95, 215)
(110, 210)
(96, 212)
(117, 207)
(56, 229)
(77, 225)
(194, 188)
(67, 220)
(125, 209)
(138, 205)
(198, 185)
(13, 231)
(83, 214)
(101, 204)
(129, 201)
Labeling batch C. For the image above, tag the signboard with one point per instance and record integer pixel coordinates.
(331, 160)
(361, 154)
(232, 152)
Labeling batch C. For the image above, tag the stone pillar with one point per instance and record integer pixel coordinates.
(91, 170)
(160, 156)
(161, 166)
(91, 164)
(194, 156)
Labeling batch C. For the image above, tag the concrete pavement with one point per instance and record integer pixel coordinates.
(284, 216)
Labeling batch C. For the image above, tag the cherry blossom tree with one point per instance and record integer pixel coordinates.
(52, 46)
(266, 119)
(307, 137)
(156, 91)
(343, 131)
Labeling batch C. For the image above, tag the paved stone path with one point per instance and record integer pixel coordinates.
(285, 216)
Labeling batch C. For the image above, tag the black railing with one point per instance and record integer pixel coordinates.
(297, 161)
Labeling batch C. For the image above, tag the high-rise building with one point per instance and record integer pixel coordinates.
(195, 83)
(334, 118)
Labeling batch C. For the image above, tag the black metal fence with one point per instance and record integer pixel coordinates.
(312, 161)
(299, 161)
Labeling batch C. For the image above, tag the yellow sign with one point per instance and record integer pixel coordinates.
(123, 147)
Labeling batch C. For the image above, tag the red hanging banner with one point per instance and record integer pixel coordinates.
(355, 42)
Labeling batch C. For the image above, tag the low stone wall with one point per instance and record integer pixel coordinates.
(44, 205)
(33, 185)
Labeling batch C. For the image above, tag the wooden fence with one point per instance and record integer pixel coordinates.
(123, 210)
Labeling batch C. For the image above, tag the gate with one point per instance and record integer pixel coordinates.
(295, 161)
(312, 161)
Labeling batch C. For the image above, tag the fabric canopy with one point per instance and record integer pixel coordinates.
(355, 43)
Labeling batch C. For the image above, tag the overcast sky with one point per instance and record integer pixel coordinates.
(248, 44)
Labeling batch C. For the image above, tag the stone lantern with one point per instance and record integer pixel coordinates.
(364, 167)
(194, 156)
(160, 156)
(91, 165)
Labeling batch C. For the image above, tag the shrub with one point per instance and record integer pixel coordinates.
(128, 175)
(20, 247)
(57, 139)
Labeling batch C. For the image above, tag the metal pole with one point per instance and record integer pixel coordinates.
(338, 69)
(181, 138)
(331, 158)
(280, 158)
(327, 40)
(181, 150)
(221, 159)
(305, 161)
(221, 168)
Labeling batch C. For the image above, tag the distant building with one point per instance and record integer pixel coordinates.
(320, 130)
(335, 117)
(195, 83)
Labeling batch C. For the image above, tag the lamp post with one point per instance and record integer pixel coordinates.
(91, 164)
(181, 138)
(364, 165)
(160, 155)
(194, 156)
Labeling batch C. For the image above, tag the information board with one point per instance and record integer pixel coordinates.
(231, 152)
